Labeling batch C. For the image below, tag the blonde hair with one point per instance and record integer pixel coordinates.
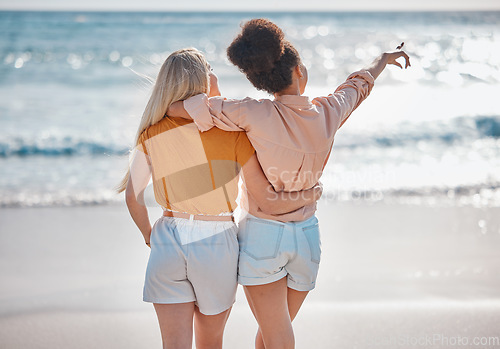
(184, 73)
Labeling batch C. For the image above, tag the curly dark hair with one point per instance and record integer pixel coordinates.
(261, 52)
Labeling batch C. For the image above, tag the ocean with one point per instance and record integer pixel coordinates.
(72, 92)
(410, 242)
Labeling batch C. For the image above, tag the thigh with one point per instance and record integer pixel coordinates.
(212, 270)
(176, 324)
(295, 299)
(269, 305)
(209, 329)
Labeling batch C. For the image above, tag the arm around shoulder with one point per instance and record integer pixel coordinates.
(209, 112)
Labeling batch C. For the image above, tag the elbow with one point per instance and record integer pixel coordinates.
(265, 204)
(267, 207)
(272, 206)
(130, 198)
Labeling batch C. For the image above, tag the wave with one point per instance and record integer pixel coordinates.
(489, 126)
(462, 196)
(67, 146)
(404, 134)
(478, 196)
(444, 132)
(59, 199)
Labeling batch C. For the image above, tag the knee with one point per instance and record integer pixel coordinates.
(209, 338)
(288, 344)
(279, 341)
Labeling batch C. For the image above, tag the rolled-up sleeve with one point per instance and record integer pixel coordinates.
(197, 107)
(348, 96)
(215, 111)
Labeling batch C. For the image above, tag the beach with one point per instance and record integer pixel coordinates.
(410, 213)
(391, 276)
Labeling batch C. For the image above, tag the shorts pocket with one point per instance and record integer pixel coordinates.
(261, 239)
(312, 235)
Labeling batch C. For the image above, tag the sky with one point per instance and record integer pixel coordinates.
(252, 5)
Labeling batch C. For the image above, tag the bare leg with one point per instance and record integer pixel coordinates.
(295, 300)
(176, 324)
(209, 329)
(270, 307)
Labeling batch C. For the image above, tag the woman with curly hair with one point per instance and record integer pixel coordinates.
(293, 136)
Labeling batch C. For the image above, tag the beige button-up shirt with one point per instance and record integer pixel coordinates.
(292, 135)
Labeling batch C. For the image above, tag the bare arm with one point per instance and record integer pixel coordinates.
(138, 211)
(225, 114)
(140, 173)
(269, 200)
(381, 62)
(348, 96)
(177, 109)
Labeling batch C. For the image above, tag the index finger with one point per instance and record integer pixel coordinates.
(407, 58)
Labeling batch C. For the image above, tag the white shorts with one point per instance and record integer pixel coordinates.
(193, 260)
(271, 250)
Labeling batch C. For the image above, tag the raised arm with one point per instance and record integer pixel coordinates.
(386, 58)
(267, 198)
(140, 173)
(348, 96)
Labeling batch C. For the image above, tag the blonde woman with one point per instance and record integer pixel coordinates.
(192, 269)
(293, 137)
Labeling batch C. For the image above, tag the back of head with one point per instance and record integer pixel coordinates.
(184, 73)
(261, 52)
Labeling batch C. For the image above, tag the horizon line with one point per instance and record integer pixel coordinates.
(496, 9)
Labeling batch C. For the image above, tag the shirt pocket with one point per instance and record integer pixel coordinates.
(313, 239)
(261, 239)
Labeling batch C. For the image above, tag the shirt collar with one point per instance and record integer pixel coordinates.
(293, 100)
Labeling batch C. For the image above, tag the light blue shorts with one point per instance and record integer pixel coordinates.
(271, 250)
